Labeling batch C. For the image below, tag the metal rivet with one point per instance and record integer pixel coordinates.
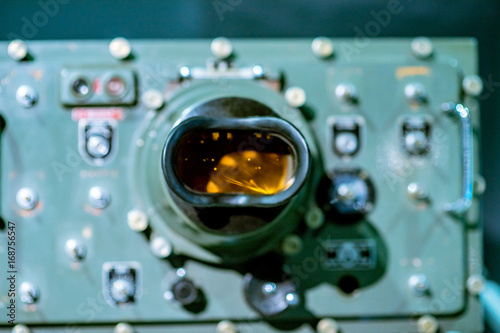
(347, 92)
(419, 284)
(346, 143)
(415, 93)
(29, 293)
(292, 299)
(17, 50)
(26, 96)
(99, 197)
(328, 325)
(160, 247)
(295, 96)
(479, 184)
(291, 244)
(137, 220)
(27, 198)
(221, 47)
(226, 326)
(21, 329)
(75, 250)
(417, 191)
(120, 48)
(427, 324)
(476, 284)
(152, 99)
(123, 328)
(422, 47)
(473, 85)
(314, 217)
(322, 47)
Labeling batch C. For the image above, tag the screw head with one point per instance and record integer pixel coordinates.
(137, 220)
(120, 48)
(415, 93)
(347, 93)
(473, 85)
(327, 325)
(476, 284)
(27, 198)
(322, 47)
(99, 197)
(29, 293)
(221, 47)
(152, 99)
(123, 328)
(226, 326)
(21, 329)
(75, 250)
(422, 47)
(419, 284)
(160, 247)
(295, 97)
(427, 324)
(17, 50)
(291, 244)
(26, 96)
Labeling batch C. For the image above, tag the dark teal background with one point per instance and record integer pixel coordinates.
(78, 19)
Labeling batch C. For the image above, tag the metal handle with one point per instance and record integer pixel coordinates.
(463, 204)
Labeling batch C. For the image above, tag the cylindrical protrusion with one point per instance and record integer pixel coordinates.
(422, 47)
(21, 329)
(322, 47)
(479, 184)
(27, 198)
(99, 197)
(415, 93)
(291, 244)
(327, 325)
(160, 247)
(226, 326)
(292, 299)
(137, 220)
(427, 324)
(75, 249)
(98, 146)
(123, 328)
(122, 290)
(419, 284)
(17, 50)
(295, 97)
(346, 143)
(347, 93)
(416, 142)
(29, 293)
(185, 292)
(221, 47)
(476, 284)
(120, 48)
(472, 85)
(269, 288)
(152, 99)
(26, 96)
(417, 192)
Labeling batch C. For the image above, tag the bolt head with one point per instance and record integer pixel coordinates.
(160, 247)
(322, 47)
(422, 47)
(137, 220)
(27, 198)
(120, 48)
(295, 97)
(473, 85)
(26, 96)
(476, 284)
(152, 99)
(123, 328)
(17, 50)
(221, 47)
(328, 325)
(427, 324)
